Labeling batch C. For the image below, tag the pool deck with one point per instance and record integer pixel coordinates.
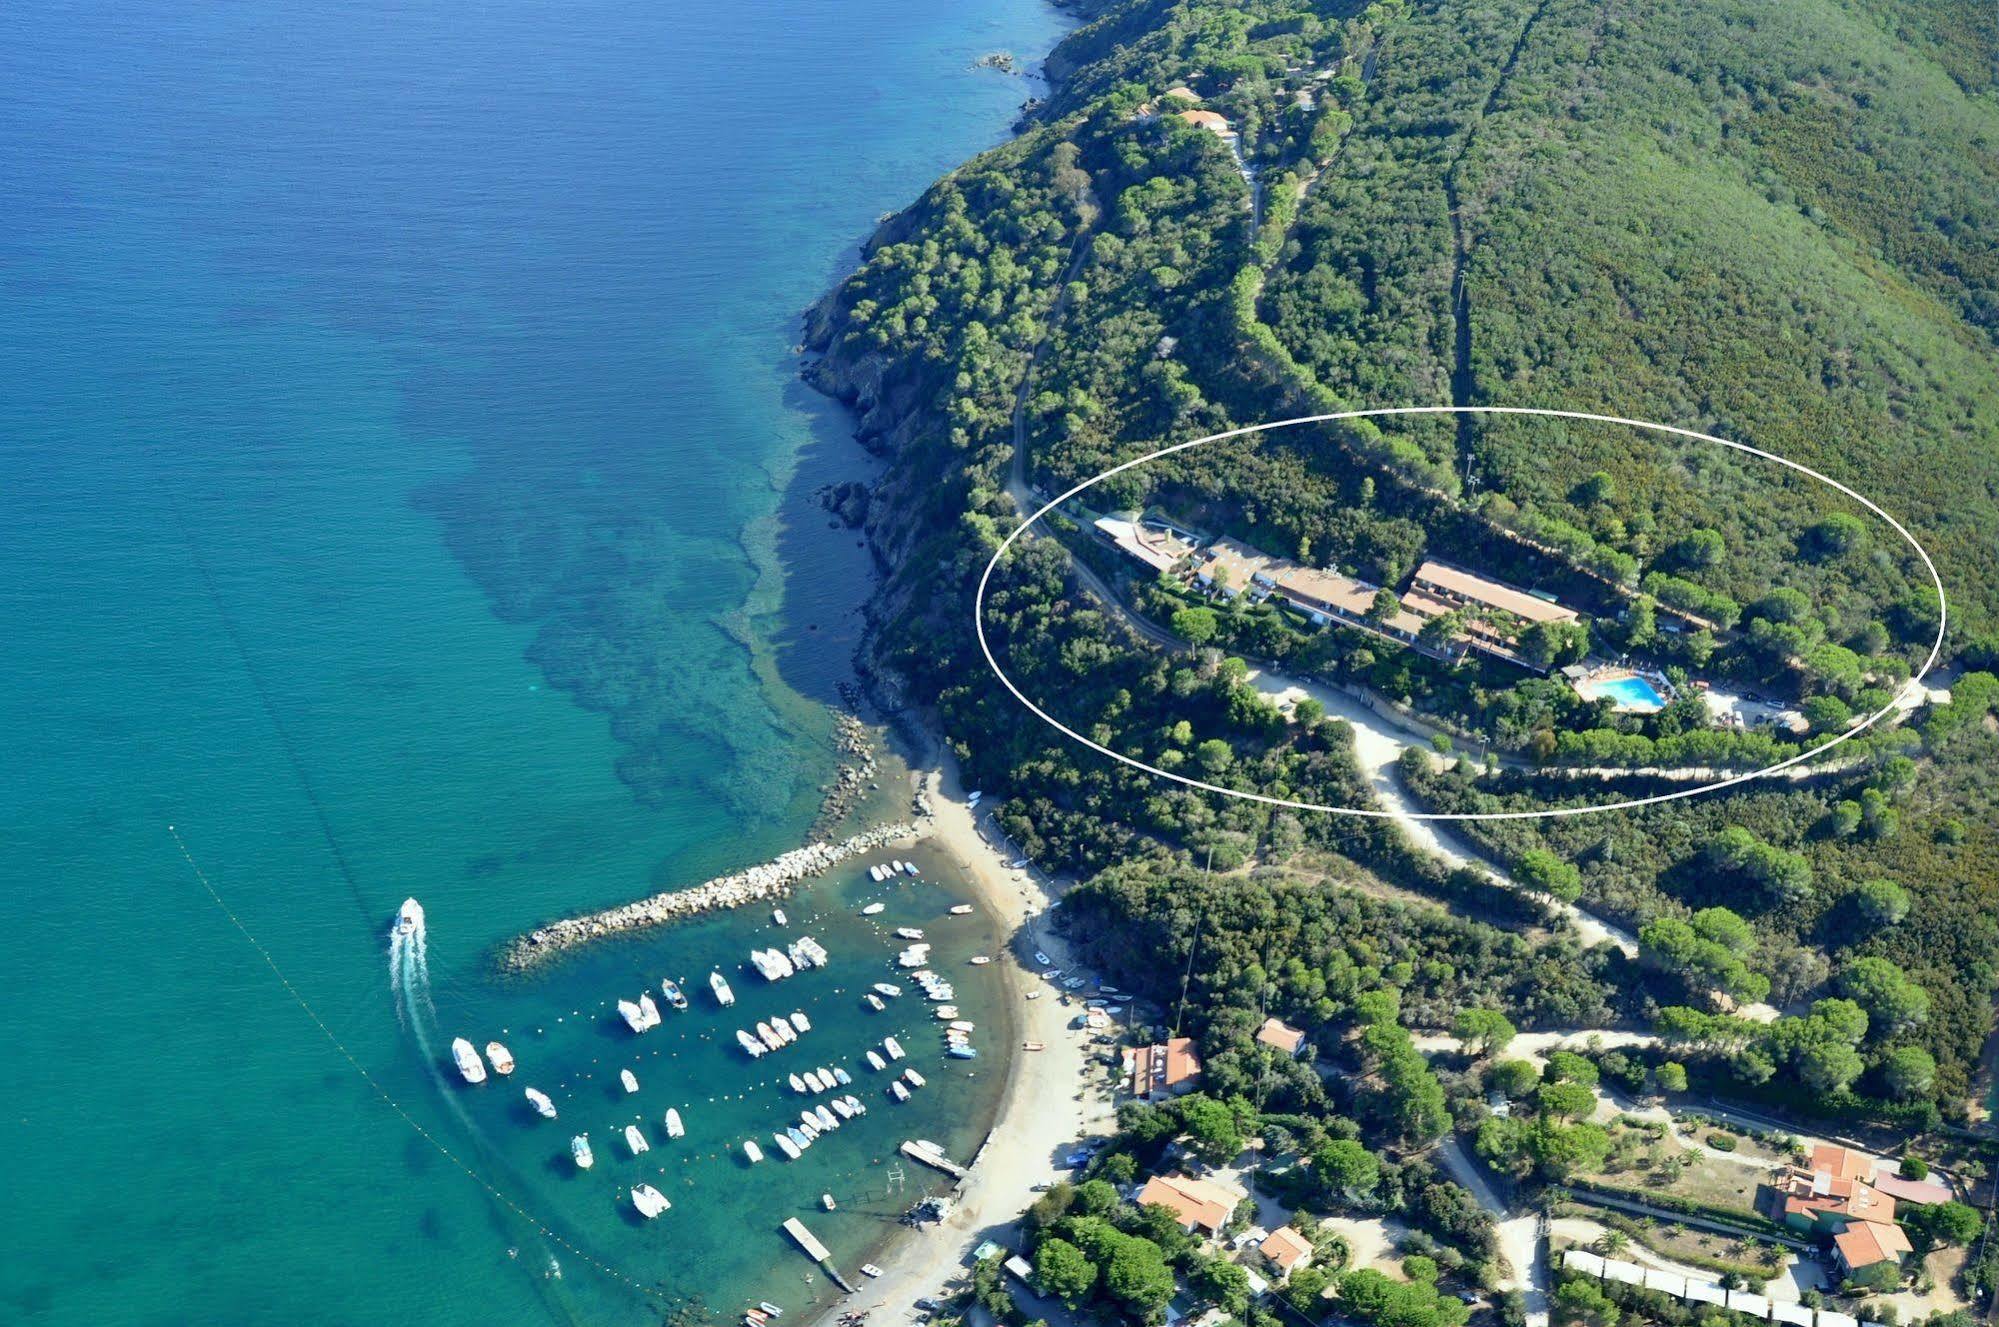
(1597, 686)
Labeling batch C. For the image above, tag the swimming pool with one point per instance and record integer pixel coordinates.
(1630, 692)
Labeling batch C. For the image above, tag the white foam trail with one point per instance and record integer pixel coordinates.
(396, 947)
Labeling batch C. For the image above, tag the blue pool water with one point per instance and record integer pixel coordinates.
(1629, 693)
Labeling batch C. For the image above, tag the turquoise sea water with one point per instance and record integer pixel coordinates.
(404, 489)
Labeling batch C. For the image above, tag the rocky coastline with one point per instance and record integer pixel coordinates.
(770, 880)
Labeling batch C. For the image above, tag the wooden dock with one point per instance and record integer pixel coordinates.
(815, 1251)
(930, 1158)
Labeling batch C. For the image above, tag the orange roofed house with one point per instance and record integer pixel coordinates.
(1200, 1204)
(1285, 1249)
(1279, 1035)
(1167, 1069)
(1836, 1197)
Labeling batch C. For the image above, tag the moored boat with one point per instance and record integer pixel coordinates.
(915, 1079)
(841, 1076)
(827, 1119)
(629, 1079)
(798, 1084)
(752, 1151)
(841, 1109)
(963, 1052)
(467, 1060)
(961, 910)
(909, 932)
(720, 985)
(874, 909)
(875, 1061)
(641, 1016)
(502, 1058)
(980, 960)
(777, 915)
(749, 1043)
(826, 1201)
(893, 1047)
(674, 1128)
(800, 1022)
(873, 1001)
(770, 1308)
(888, 988)
(797, 1139)
(650, 1201)
(812, 1083)
(898, 1091)
(946, 1013)
(963, 1026)
(542, 1105)
(671, 990)
(767, 1037)
(636, 1140)
(786, 1146)
(579, 1148)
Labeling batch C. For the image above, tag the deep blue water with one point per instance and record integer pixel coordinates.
(398, 438)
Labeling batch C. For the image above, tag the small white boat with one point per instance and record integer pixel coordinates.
(767, 1037)
(800, 1022)
(674, 1128)
(873, 909)
(786, 1034)
(502, 1058)
(467, 1060)
(409, 919)
(875, 1061)
(629, 1079)
(915, 1079)
(827, 1119)
(980, 960)
(972, 798)
(812, 1083)
(777, 915)
(893, 1047)
(579, 1148)
(799, 1138)
(786, 1146)
(888, 988)
(963, 1025)
(909, 932)
(798, 1084)
(641, 1016)
(1032, 1046)
(961, 910)
(749, 1043)
(770, 1308)
(809, 1127)
(873, 1001)
(841, 1077)
(826, 1201)
(542, 1105)
(963, 1052)
(723, 995)
(841, 1108)
(875, 873)
(650, 1201)
(636, 1140)
(854, 1104)
(946, 1013)
(871, 1269)
(671, 990)
(752, 1151)
(898, 1091)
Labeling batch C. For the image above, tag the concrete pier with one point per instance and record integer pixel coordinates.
(772, 879)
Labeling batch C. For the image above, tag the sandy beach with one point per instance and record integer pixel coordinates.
(1040, 1115)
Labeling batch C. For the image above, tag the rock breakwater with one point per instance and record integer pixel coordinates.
(772, 879)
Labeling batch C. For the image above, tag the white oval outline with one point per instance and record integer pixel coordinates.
(1936, 647)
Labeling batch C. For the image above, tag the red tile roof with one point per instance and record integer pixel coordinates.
(1865, 1243)
(1276, 1032)
(1200, 1204)
(1286, 1248)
